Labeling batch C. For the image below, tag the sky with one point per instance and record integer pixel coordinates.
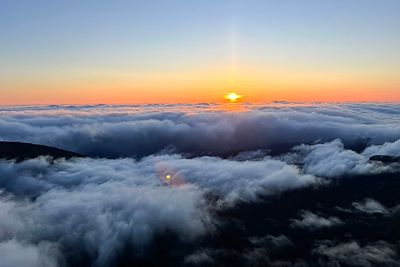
(77, 52)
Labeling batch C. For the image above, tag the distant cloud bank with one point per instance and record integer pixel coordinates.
(203, 129)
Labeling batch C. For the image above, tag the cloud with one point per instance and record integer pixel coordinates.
(171, 170)
(233, 180)
(332, 159)
(313, 221)
(370, 206)
(137, 131)
(95, 208)
(199, 258)
(387, 149)
(352, 254)
(16, 254)
(267, 250)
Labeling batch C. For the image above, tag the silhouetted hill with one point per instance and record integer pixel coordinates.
(21, 151)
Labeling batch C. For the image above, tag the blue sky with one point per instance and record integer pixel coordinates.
(61, 37)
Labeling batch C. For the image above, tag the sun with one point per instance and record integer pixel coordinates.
(232, 97)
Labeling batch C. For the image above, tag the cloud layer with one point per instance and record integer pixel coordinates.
(190, 173)
(203, 129)
(97, 207)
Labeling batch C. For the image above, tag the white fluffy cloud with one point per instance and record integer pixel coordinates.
(332, 159)
(95, 207)
(98, 206)
(388, 149)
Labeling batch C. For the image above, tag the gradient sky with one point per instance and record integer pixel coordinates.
(196, 51)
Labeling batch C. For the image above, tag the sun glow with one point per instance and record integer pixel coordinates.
(232, 97)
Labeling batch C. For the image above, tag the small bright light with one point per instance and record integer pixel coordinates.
(233, 97)
(168, 177)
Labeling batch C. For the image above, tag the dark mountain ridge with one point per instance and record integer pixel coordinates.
(21, 151)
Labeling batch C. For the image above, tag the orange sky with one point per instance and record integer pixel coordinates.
(199, 86)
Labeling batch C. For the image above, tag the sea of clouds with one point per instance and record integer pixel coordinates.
(54, 212)
(202, 129)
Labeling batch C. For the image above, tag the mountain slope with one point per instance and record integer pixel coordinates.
(20, 151)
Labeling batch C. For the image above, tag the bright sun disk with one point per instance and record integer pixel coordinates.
(233, 97)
